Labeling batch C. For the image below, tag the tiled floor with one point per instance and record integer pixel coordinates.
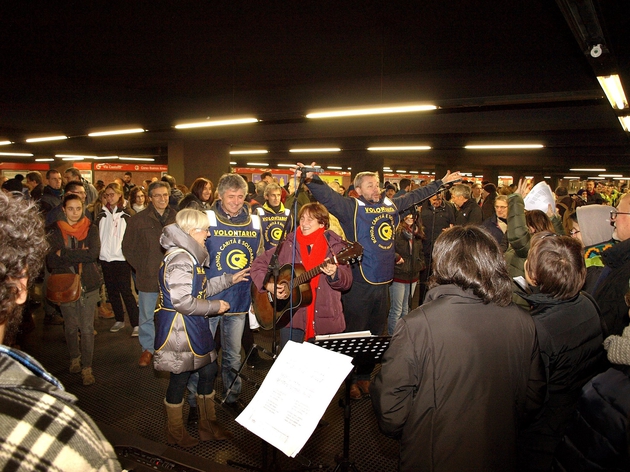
(129, 398)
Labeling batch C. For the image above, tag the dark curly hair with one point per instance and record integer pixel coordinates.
(23, 247)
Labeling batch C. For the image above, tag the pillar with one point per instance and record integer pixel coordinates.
(189, 159)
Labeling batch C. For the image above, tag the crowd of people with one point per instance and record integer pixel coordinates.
(522, 314)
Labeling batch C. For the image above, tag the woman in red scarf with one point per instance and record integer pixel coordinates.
(74, 240)
(315, 243)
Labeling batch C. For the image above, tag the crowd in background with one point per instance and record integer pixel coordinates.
(568, 267)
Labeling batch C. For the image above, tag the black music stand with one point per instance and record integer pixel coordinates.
(370, 347)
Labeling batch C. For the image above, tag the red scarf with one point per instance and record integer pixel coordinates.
(319, 248)
(79, 230)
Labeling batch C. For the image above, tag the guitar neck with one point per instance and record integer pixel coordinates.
(306, 276)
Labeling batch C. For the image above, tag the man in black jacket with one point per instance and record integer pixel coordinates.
(468, 212)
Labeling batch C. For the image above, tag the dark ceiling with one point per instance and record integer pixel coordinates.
(499, 71)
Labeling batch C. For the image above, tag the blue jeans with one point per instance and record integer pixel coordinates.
(398, 303)
(146, 330)
(231, 334)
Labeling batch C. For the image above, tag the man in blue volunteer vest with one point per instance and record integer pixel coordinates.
(371, 220)
(273, 216)
(235, 240)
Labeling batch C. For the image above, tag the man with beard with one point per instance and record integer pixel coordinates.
(35, 409)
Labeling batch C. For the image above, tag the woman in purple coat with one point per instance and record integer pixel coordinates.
(312, 244)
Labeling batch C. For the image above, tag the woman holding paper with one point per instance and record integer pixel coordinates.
(315, 244)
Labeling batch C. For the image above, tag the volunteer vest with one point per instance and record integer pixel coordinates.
(272, 225)
(374, 229)
(196, 326)
(233, 247)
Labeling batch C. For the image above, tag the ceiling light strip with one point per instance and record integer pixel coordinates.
(399, 148)
(504, 146)
(206, 124)
(613, 89)
(369, 111)
(16, 154)
(143, 159)
(253, 151)
(46, 138)
(116, 132)
(4, 143)
(316, 150)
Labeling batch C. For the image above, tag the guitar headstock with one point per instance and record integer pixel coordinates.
(351, 253)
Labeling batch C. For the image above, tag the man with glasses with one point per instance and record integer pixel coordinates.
(141, 247)
(612, 285)
(74, 175)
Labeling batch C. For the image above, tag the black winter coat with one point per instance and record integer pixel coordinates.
(610, 291)
(85, 252)
(598, 439)
(458, 380)
(570, 339)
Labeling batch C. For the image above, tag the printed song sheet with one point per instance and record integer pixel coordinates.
(294, 395)
(540, 198)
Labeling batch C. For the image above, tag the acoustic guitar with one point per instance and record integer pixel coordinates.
(299, 284)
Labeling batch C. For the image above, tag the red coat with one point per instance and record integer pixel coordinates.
(329, 317)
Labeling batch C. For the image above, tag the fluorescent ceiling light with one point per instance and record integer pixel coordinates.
(287, 165)
(611, 175)
(570, 177)
(17, 154)
(115, 132)
(46, 138)
(4, 143)
(75, 155)
(425, 173)
(504, 146)
(205, 124)
(595, 178)
(316, 150)
(614, 91)
(257, 164)
(401, 171)
(587, 170)
(74, 158)
(254, 151)
(334, 167)
(625, 122)
(232, 163)
(45, 159)
(399, 148)
(529, 176)
(621, 178)
(370, 111)
(106, 158)
(505, 176)
(146, 159)
(478, 176)
(545, 177)
(413, 171)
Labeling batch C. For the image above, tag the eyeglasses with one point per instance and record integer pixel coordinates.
(165, 196)
(202, 230)
(501, 207)
(573, 232)
(614, 213)
(110, 194)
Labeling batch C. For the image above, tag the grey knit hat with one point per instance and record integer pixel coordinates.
(618, 347)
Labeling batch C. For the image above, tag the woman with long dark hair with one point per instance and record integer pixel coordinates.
(200, 197)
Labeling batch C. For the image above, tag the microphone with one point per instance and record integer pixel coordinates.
(315, 170)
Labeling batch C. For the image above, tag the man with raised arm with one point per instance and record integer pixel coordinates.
(370, 220)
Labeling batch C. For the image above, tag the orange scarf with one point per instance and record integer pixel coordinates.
(319, 248)
(79, 230)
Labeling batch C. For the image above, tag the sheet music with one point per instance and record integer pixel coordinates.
(354, 334)
(540, 198)
(294, 395)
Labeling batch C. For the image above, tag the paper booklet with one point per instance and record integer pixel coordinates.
(294, 396)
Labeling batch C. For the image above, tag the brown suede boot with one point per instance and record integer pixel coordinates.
(209, 429)
(175, 431)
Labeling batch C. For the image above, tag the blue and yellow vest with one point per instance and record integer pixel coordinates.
(233, 247)
(374, 228)
(197, 329)
(272, 225)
